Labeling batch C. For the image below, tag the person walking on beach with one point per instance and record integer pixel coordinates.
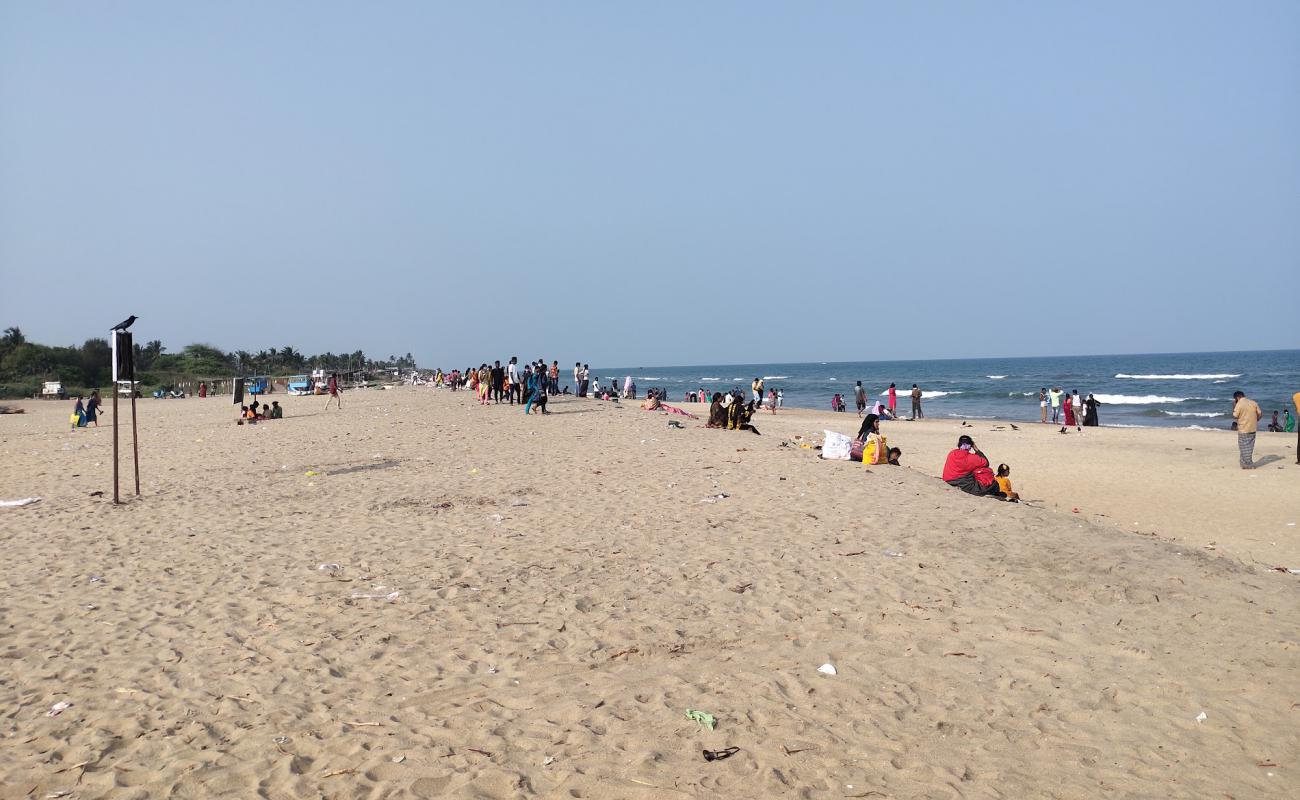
(757, 386)
(1042, 402)
(93, 404)
(893, 402)
(577, 378)
(916, 402)
(1055, 396)
(1247, 414)
(771, 399)
(860, 396)
(334, 392)
(1078, 411)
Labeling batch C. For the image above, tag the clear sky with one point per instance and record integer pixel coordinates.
(654, 183)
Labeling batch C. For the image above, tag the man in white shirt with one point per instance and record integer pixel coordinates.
(512, 374)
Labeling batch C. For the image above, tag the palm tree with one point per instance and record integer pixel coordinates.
(13, 337)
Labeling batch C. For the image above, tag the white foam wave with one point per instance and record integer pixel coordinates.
(832, 379)
(1136, 400)
(776, 377)
(1179, 377)
(1021, 394)
(645, 378)
(967, 416)
(936, 395)
(995, 377)
(1197, 428)
(1220, 381)
(1192, 413)
(710, 380)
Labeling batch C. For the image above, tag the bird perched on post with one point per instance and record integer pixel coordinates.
(124, 324)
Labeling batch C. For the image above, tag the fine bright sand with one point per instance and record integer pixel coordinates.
(563, 594)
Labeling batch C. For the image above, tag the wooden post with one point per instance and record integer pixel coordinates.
(117, 499)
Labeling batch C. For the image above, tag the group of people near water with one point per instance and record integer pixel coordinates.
(1078, 414)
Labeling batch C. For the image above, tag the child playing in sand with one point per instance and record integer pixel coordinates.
(895, 454)
(1004, 482)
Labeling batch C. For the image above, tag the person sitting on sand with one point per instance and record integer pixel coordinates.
(1275, 426)
(966, 468)
(1288, 425)
(875, 448)
(717, 412)
(1004, 481)
(276, 411)
(894, 455)
(266, 412)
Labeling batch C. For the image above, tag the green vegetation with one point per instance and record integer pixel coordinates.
(25, 365)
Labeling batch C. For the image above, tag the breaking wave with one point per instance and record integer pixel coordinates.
(1180, 377)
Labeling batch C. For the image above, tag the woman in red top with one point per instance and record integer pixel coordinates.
(967, 469)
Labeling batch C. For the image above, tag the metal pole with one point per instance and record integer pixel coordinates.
(117, 500)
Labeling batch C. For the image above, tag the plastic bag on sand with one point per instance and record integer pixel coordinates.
(836, 446)
(26, 501)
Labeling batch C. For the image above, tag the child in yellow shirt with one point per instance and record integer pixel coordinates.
(1004, 482)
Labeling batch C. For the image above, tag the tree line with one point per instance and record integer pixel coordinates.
(25, 365)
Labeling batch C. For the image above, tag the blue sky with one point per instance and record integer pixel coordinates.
(660, 183)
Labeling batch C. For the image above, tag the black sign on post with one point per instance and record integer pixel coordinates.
(239, 391)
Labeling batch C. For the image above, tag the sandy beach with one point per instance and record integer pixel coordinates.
(419, 597)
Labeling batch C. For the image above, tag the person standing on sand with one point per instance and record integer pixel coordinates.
(1055, 396)
(335, 394)
(512, 373)
(1069, 413)
(916, 402)
(1247, 414)
(1290, 424)
(893, 402)
(757, 386)
(577, 378)
(1042, 402)
(860, 396)
(498, 381)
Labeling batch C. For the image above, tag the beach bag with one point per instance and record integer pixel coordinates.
(855, 449)
(836, 446)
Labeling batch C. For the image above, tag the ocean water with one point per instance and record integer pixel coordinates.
(1183, 390)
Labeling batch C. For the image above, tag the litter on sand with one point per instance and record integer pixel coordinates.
(1201, 717)
(827, 669)
(715, 498)
(378, 595)
(702, 717)
(332, 567)
(58, 708)
(26, 501)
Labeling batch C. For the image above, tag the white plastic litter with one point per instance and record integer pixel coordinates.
(836, 446)
(1201, 717)
(26, 501)
(827, 669)
(377, 595)
(331, 567)
(58, 708)
(894, 553)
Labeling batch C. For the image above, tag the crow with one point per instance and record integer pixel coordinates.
(124, 324)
